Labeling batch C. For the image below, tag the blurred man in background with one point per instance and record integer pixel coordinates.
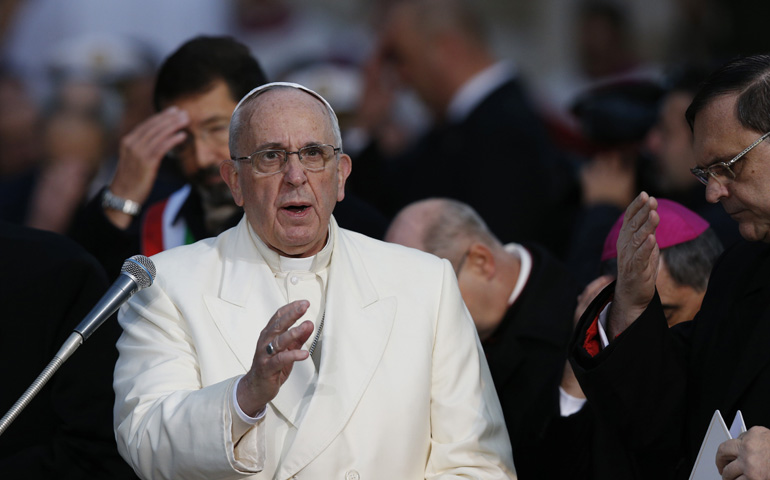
(196, 91)
(487, 146)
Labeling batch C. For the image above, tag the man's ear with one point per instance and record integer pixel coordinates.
(229, 172)
(481, 261)
(344, 167)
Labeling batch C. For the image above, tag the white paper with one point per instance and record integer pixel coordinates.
(738, 425)
(706, 465)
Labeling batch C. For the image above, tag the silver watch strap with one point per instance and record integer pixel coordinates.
(113, 202)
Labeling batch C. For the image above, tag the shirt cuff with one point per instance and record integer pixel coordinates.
(239, 411)
(569, 405)
(603, 325)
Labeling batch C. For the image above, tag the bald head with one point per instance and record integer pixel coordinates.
(453, 230)
(441, 226)
(408, 227)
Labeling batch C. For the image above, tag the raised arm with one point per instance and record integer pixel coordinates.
(638, 256)
(141, 152)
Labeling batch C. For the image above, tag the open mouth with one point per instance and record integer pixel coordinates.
(296, 208)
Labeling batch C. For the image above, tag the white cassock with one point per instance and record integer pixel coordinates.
(403, 390)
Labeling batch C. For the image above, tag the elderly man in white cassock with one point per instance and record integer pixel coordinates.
(288, 347)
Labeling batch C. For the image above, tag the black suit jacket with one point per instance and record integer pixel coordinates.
(526, 356)
(499, 160)
(659, 387)
(66, 430)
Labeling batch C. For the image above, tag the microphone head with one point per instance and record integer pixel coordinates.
(141, 269)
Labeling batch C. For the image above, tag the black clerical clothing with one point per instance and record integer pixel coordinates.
(659, 387)
(526, 356)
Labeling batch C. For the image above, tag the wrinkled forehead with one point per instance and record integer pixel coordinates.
(278, 103)
(272, 103)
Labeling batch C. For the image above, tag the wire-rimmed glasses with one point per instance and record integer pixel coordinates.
(723, 169)
(273, 160)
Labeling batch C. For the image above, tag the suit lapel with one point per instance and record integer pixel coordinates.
(248, 298)
(357, 329)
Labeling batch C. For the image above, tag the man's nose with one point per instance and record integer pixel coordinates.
(294, 172)
(208, 154)
(715, 190)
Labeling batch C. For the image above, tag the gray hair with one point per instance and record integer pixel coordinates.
(453, 228)
(689, 263)
(237, 124)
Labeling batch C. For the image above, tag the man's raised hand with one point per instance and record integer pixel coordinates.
(271, 366)
(638, 257)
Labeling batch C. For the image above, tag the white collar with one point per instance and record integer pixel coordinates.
(471, 94)
(525, 258)
(279, 263)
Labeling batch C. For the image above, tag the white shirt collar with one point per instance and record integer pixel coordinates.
(279, 263)
(524, 270)
(470, 95)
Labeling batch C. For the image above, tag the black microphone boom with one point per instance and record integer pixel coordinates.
(138, 272)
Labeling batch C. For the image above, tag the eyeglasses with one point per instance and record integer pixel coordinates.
(723, 169)
(271, 161)
(215, 134)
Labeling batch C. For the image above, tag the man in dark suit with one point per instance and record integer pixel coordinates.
(659, 387)
(487, 147)
(522, 302)
(66, 430)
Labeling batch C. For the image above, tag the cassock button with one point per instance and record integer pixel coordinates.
(294, 280)
(352, 475)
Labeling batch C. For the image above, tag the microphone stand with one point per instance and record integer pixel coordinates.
(138, 272)
(67, 349)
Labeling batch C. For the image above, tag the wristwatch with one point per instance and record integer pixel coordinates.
(113, 202)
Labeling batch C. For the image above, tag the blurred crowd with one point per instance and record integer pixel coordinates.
(75, 79)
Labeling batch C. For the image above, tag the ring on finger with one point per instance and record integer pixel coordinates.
(270, 349)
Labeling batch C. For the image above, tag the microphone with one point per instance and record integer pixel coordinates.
(138, 272)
